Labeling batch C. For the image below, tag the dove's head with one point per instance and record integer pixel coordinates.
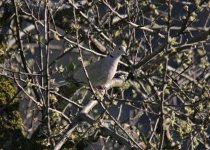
(119, 50)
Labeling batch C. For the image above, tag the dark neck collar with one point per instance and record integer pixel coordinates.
(111, 55)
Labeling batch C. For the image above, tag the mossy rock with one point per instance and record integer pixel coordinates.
(12, 135)
(7, 91)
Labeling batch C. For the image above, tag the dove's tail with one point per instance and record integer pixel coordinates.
(64, 82)
(59, 84)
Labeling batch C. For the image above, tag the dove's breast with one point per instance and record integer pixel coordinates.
(110, 70)
(100, 73)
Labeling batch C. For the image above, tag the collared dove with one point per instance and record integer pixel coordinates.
(100, 72)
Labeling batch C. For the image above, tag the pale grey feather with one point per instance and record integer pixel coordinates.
(100, 72)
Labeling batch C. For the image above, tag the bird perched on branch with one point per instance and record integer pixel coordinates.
(101, 72)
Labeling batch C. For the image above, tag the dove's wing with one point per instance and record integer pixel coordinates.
(102, 71)
(97, 72)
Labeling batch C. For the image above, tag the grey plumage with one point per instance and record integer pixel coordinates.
(100, 72)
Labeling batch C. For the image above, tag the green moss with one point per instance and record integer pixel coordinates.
(12, 135)
(7, 91)
(11, 127)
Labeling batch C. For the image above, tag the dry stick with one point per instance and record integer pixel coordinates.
(164, 84)
(60, 113)
(80, 117)
(47, 75)
(24, 91)
(41, 62)
(19, 72)
(34, 75)
(119, 138)
(20, 45)
(74, 124)
(161, 48)
(202, 37)
(80, 51)
(86, 17)
(185, 22)
(63, 37)
(86, 109)
(150, 57)
(118, 124)
(107, 110)
(129, 22)
(68, 100)
(182, 74)
(91, 104)
(154, 130)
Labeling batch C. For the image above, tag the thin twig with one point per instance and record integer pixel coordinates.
(47, 76)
